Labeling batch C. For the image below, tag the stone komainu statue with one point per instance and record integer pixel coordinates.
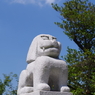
(45, 71)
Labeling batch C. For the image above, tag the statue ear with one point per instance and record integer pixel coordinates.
(32, 52)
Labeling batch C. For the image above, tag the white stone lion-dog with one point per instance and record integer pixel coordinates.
(45, 71)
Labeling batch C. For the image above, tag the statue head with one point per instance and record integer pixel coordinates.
(43, 45)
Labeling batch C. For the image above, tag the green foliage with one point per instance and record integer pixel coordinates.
(81, 72)
(6, 84)
(78, 23)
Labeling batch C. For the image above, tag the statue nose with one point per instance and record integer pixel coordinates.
(54, 43)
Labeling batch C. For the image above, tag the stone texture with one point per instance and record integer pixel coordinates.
(45, 71)
(48, 93)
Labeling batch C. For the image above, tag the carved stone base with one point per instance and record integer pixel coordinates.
(48, 93)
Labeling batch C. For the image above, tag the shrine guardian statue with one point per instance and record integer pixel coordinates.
(45, 71)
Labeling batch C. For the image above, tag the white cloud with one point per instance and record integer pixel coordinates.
(50, 1)
(23, 1)
(38, 2)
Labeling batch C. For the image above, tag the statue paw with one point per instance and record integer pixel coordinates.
(43, 87)
(65, 89)
(25, 90)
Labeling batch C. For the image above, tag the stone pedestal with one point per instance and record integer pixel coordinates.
(48, 93)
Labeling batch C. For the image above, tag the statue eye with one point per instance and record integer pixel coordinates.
(45, 37)
(53, 38)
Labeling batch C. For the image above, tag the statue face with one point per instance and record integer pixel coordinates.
(48, 46)
(43, 45)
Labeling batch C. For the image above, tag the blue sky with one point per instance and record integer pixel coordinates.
(20, 22)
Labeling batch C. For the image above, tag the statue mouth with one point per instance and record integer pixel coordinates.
(50, 47)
